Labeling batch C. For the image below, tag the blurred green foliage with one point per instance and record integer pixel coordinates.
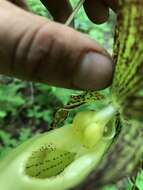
(27, 109)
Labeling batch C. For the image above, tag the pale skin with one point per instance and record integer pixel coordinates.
(34, 49)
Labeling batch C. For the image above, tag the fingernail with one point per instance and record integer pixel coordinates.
(94, 72)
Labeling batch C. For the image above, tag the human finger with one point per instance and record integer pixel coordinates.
(49, 52)
(96, 10)
(60, 10)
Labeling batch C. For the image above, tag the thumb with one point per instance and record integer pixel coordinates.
(33, 49)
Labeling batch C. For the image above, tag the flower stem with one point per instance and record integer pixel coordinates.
(75, 11)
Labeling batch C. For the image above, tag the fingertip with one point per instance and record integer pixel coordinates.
(94, 72)
(60, 10)
(76, 62)
(97, 11)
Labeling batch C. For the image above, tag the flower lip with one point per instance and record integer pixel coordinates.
(48, 161)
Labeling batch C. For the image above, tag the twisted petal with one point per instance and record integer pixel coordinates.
(128, 54)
